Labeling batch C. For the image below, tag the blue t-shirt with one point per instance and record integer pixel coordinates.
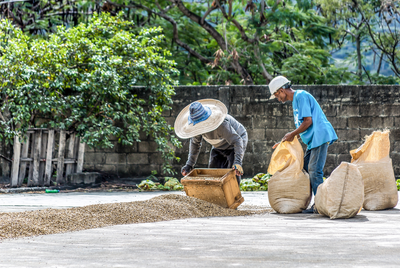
(320, 131)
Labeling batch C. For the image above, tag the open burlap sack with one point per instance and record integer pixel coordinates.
(289, 189)
(341, 196)
(373, 161)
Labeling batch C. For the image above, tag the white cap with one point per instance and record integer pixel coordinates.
(276, 84)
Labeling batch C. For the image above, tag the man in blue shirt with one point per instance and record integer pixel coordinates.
(311, 125)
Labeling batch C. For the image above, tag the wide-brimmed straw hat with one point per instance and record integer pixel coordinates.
(200, 117)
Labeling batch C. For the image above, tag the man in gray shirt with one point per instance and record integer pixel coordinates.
(208, 119)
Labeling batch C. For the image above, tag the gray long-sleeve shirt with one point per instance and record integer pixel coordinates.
(229, 135)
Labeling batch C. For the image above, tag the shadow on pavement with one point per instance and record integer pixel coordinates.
(302, 216)
(384, 211)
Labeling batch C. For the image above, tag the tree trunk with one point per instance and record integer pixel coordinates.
(380, 63)
(359, 65)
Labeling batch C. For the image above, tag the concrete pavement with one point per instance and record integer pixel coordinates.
(371, 239)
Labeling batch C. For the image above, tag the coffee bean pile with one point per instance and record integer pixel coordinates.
(160, 208)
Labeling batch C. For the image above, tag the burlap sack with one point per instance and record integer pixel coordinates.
(373, 161)
(289, 189)
(341, 196)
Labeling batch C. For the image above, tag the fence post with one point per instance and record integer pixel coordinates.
(36, 157)
(30, 174)
(60, 162)
(16, 160)
(71, 153)
(81, 153)
(24, 154)
(42, 163)
(49, 158)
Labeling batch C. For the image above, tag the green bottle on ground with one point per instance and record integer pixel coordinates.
(52, 191)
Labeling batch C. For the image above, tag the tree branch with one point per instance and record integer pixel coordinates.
(237, 24)
(175, 29)
(268, 77)
(380, 45)
(217, 36)
(347, 31)
(369, 78)
(286, 43)
(205, 25)
(2, 117)
(211, 9)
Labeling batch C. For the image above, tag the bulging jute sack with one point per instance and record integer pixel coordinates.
(341, 196)
(373, 161)
(289, 189)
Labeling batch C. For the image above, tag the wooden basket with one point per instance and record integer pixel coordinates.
(218, 186)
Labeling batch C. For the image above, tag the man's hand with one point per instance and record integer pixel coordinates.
(186, 170)
(307, 122)
(238, 169)
(289, 137)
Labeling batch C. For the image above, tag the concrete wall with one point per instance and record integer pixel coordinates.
(354, 111)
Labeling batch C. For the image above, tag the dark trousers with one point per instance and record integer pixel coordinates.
(222, 159)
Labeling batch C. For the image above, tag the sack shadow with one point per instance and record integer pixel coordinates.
(384, 211)
(302, 216)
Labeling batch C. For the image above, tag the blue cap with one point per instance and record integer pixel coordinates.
(198, 113)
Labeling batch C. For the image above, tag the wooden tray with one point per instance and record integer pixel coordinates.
(218, 186)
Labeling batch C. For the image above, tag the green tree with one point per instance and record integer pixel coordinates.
(345, 16)
(220, 41)
(249, 42)
(384, 32)
(86, 79)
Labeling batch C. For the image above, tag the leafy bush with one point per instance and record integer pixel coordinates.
(249, 185)
(258, 183)
(398, 184)
(147, 185)
(85, 79)
(152, 176)
(171, 184)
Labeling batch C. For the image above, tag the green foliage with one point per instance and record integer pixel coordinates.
(162, 188)
(258, 183)
(293, 38)
(171, 184)
(363, 34)
(85, 79)
(398, 184)
(249, 185)
(384, 80)
(385, 33)
(153, 175)
(147, 185)
(284, 34)
(263, 181)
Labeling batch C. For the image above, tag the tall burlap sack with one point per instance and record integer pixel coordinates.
(289, 189)
(341, 196)
(373, 161)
